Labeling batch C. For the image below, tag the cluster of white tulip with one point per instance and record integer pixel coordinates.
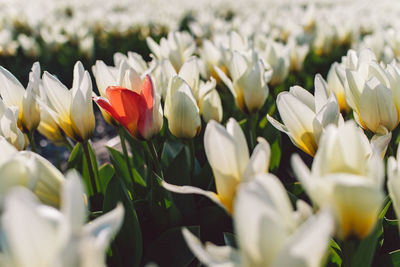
(319, 24)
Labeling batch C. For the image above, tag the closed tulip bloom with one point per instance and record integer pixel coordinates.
(227, 152)
(71, 109)
(306, 116)
(249, 81)
(347, 175)
(137, 109)
(14, 94)
(373, 92)
(267, 231)
(181, 109)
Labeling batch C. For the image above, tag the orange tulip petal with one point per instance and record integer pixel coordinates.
(148, 92)
(126, 104)
(105, 104)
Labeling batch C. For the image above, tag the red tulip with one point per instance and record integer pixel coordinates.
(140, 113)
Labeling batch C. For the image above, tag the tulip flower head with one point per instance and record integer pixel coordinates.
(249, 81)
(347, 176)
(14, 94)
(71, 109)
(306, 116)
(228, 154)
(373, 92)
(138, 110)
(267, 230)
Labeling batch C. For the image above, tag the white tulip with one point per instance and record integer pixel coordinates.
(267, 231)
(249, 81)
(14, 94)
(71, 109)
(227, 152)
(306, 116)
(347, 175)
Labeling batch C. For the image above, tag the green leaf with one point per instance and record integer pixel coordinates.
(127, 246)
(170, 151)
(178, 173)
(77, 161)
(334, 258)
(365, 252)
(122, 171)
(230, 239)
(106, 172)
(170, 248)
(395, 257)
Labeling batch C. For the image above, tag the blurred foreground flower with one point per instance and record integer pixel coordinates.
(306, 116)
(138, 108)
(393, 183)
(71, 109)
(269, 232)
(30, 170)
(347, 175)
(35, 235)
(228, 155)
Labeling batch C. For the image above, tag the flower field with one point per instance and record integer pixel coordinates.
(199, 133)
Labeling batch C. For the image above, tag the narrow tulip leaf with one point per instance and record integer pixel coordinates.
(395, 257)
(170, 248)
(334, 258)
(122, 171)
(230, 239)
(106, 172)
(365, 252)
(170, 151)
(77, 161)
(127, 245)
(178, 173)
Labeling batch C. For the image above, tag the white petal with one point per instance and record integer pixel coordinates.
(11, 89)
(259, 160)
(59, 96)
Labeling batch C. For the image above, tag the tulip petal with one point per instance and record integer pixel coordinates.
(377, 108)
(126, 104)
(73, 203)
(308, 245)
(11, 89)
(304, 96)
(259, 160)
(186, 189)
(226, 80)
(59, 96)
(104, 77)
(321, 92)
(262, 209)
(211, 255)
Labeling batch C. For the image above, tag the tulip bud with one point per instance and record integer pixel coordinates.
(138, 108)
(71, 109)
(181, 109)
(249, 81)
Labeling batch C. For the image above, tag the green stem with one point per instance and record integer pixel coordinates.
(68, 144)
(348, 250)
(252, 129)
(192, 157)
(32, 141)
(85, 146)
(125, 151)
(156, 161)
